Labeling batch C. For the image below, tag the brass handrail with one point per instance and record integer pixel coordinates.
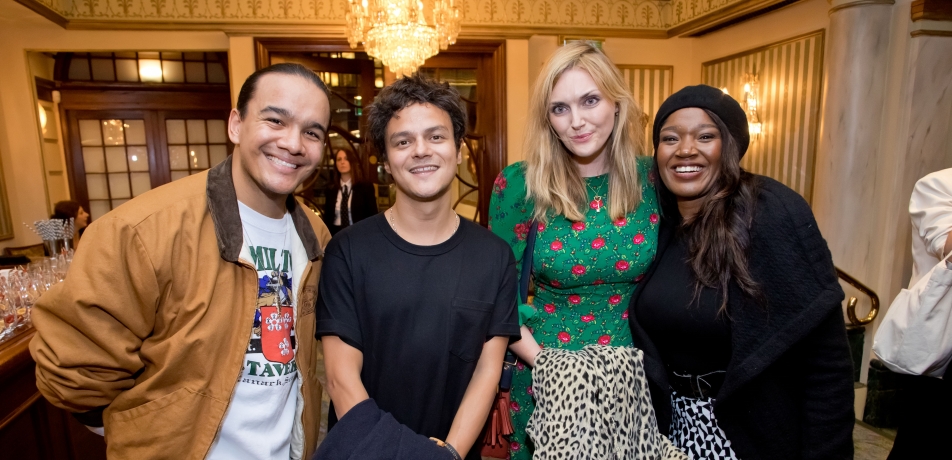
(851, 304)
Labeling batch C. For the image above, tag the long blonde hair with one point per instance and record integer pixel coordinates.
(553, 182)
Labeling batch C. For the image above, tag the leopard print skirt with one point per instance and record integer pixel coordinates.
(593, 404)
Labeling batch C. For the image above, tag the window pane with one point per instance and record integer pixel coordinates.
(96, 186)
(79, 69)
(112, 132)
(102, 70)
(194, 56)
(175, 131)
(172, 70)
(217, 133)
(98, 208)
(126, 54)
(141, 183)
(168, 55)
(135, 132)
(149, 55)
(119, 185)
(93, 160)
(196, 132)
(138, 158)
(216, 73)
(150, 70)
(117, 203)
(178, 157)
(217, 154)
(176, 175)
(126, 70)
(195, 72)
(116, 159)
(101, 54)
(89, 133)
(199, 156)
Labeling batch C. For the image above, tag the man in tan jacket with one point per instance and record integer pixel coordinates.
(186, 324)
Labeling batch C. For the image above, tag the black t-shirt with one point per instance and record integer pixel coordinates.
(689, 333)
(419, 314)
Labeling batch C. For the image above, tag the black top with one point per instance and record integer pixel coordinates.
(363, 204)
(691, 336)
(419, 314)
(788, 390)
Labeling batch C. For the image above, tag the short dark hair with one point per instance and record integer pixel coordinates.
(287, 68)
(415, 89)
(65, 210)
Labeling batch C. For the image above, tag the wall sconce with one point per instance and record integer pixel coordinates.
(751, 102)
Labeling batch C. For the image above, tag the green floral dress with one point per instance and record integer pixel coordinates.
(584, 274)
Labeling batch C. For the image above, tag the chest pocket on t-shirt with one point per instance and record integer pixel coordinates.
(469, 324)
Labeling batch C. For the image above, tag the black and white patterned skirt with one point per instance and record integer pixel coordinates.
(695, 431)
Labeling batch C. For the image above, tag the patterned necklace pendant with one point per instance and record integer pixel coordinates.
(596, 204)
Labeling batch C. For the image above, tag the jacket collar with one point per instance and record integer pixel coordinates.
(223, 207)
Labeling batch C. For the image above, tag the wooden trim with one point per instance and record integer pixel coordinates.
(94, 99)
(820, 32)
(14, 353)
(851, 4)
(931, 33)
(933, 10)
(45, 11)
(713, 20)
(23, 407)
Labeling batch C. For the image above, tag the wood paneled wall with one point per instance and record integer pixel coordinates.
(790, 75)
(651, 85)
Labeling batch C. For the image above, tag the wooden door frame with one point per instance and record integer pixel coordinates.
(495, 49)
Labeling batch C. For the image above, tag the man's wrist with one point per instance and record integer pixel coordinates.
(448, 447)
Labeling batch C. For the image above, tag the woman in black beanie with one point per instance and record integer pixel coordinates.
(739, 315)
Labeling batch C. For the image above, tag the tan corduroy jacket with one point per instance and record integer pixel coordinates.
(151, 325)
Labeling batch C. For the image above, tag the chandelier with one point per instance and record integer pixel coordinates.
(400, 33)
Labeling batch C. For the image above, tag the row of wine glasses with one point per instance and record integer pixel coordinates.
(21, 286)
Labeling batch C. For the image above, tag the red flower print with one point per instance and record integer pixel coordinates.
(604, 340)
(578, 270)
(578, 226)
(640, 277)
(624, 315)
(653, 177)
(621, 222)
(622, 265)
(653, 218)
(549, 308)
(520, 366)
(575, 299)
(564, 337)
(638, 239)
(541, 226)
(521, 231)
(514, 406)
(598, 243)
(499, 184)
(514, 446)
(555, 283)
(556, 245)
(598, 282)
(615, 299)
(529, 390)
(588, 318)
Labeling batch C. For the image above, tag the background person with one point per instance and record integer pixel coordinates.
(584, 184)
(348, 192)
(740, 314)
(72, 210)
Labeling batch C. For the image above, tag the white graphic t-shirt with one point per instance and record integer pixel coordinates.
(261, 414)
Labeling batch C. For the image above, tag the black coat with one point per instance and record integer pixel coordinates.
(788, 390)
(363, 204)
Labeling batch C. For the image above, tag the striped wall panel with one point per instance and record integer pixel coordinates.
(790, 74)
(651, 85)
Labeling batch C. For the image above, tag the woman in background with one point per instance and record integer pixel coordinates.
(586, 188)
(348, 199)
(72, 210)
(740, 314)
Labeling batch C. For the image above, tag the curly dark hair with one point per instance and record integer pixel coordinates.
(415, 89)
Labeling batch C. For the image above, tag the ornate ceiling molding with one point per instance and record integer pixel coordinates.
(481, 18)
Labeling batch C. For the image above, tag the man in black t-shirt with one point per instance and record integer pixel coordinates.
(416, 306)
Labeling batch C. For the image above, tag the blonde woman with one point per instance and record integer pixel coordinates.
(585, 184)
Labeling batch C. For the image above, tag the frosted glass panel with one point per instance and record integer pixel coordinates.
(173, 72)
(119, 185)
(217, 154)
(199, 156)
(216, 73)
(135, 132)
(178, 157)
(102, 70)
(126, 70)
(138, 158)
(98, 208)
(93, 159)
(141, 183)
(112, 132)
(195, 72)
(217, 133)
(176, 175)
(116, 159)
(196, 132)
(117, 203)
(96, 186)
(89, 133)
(175, 130)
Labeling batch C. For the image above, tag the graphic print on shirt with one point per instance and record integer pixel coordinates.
(269, 359)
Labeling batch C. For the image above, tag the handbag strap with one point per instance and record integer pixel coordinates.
(527, 262)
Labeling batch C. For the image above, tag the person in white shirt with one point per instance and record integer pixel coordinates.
(348, 199)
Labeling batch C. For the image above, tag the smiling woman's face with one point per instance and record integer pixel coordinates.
(582, 117)
(689, 157)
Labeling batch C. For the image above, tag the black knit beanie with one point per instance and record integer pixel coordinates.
(710, 98)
